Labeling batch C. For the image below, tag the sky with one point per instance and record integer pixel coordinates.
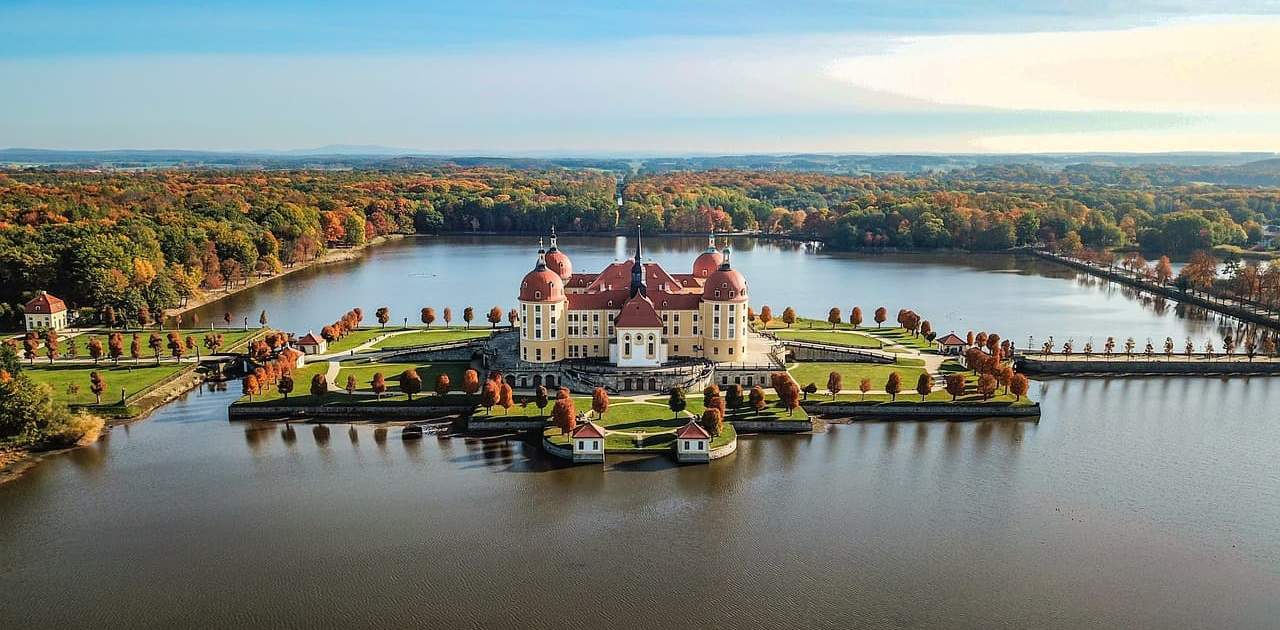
(654, 77)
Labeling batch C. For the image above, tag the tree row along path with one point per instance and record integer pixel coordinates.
(1225, 305)
(932, 362)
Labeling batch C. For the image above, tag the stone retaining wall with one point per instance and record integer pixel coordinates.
(557, 451)
(805, 351)
(726, 450)
(771, 426)
(926, 411)
(504, 425)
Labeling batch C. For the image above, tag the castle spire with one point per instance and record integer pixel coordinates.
(542, 255)
(553, 238)
(711, 241)
(637, 270)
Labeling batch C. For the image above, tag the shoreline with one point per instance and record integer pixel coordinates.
(329, 257)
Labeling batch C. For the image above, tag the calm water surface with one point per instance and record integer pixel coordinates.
(1142, 503)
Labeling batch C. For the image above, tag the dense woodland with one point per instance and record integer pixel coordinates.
(142, 241)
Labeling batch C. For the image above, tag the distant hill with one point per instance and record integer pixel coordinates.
(1157, 169)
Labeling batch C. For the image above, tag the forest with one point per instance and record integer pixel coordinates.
(139, 241)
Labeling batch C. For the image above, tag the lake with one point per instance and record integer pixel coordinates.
(1136, 503)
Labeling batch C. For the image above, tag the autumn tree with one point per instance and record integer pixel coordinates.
(540, 399)
(855, 317)
(378, 384)
(881, 315)
(564, 414)
(506, 397)
(428, 316)
(756, 399)
(788, 316)
(115, 347)
(734, 396)
(955, 385)
(285, 385)
(1018, 385)
(135, 348)
(766, 316)
(468, 314)
(712, 420)
(489, 395)
(448, 316)
(513, 316)
(443, 384)
(97, 385)
(384, 315)
(155, 343)
(811, 388)
(599, 401)
(319, 385)
(51, 345)
(924, 385)
(833, 317)
(249, 386)
(864, 386)
(835, 382)
(95, 349)
(470, 381)
(986, 386)
(893, 386)
(495, 316)
(1164, 270)
(411, 383)
(789, 395)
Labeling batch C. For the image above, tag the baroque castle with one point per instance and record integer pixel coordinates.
(634, 314)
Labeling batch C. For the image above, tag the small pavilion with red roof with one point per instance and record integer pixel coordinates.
(312, 343)
(45, 312)
(587, 442)
(693, 443)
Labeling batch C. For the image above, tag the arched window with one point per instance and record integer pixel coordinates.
(537, 295)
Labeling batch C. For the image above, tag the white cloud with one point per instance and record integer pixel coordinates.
(1223, 65)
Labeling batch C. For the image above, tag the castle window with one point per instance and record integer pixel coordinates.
(537, 333)
(717, 292)
(537, 295)
(537, 354)
(626, 349)
(553, 353)
(730, 293)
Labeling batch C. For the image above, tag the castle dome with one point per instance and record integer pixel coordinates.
(541, 284)
(558, 262)
(725, 284)
(709, 260)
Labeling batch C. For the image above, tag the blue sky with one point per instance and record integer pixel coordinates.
(659, 76)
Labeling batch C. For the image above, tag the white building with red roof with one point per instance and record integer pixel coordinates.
(45, 312)
(693, 443)
(587, 442)
(312, 343)
(634, 313)
(950, 344)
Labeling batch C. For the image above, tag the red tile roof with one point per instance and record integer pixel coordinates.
(310, 339)
(587, 430)
(952, 340)
(692, 431)
(44, 304)
(638, 312)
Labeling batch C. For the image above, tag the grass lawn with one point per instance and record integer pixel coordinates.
(773, 409)
(901, 336)
(937, 396)
(831, 337)
(431, 337)
(230, 338)
(132, 379)
(525, 408)
(852, 374)
(355, 338)
(391, 372)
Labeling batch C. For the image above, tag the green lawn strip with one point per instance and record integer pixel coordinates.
(133, 379)
(391, 374)
(901, 336)
(831, 337)
(851, 374)
(433, 336)
(301, 386)
(773, 410)
(357, 337)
